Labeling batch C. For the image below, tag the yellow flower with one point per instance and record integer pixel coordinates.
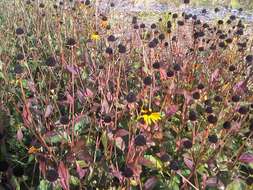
(95, 36)
(150, 117)
(104, 24)
(33, 150)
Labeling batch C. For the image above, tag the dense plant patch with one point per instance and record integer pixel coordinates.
(89, 101)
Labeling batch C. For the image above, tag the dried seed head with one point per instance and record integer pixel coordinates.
(122, 48)
(109, 50)
(196, 95)
(153, 26)
(187, 144)
(174, 165)
(192, 115)
(18, 69)
(127, 172)
(243, 110)
(249, 58)
(131, 97)
(147, 80)
(170, 73)
(227, 125)
(51, 61)
(20, 31)
(213, 138)
(140, 140)
(216, 9)
(64, 120)
(107, 119)
(156, 65)
(212, 119)
(235, 98)
(165, 157)
(70, 42)
(87, 2)
(52, 175)
(111, 38)
(209, 109)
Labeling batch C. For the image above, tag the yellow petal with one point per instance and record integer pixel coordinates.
(104, 24)
(95, 37)
(33, 150)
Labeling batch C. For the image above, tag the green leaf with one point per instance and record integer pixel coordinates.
(104, 141)
(15, 181)
(156, 162)
(58, 138)
(31, 158)
(44, 185)
(236, 185)
(174, 183)
(74, 180)
(79, 126)
(82, 163)
(202, 169)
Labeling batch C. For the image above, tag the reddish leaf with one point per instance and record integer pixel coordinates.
(212, 182)
(246, 158)
(105, 106)
(215, 75)
(31, 86)
(117, 174)
(88, 93)
(188, 163)
(81, 172)
(70, 99)
(121, 133)
(48, 111)
(120, 143)
(240, 88)
(163, 74)
(150, 183)
(80, 95)
(188, 96)
(64, 176)
(20, 134)
(171, 110)
(26, 115)
(144, 161)
(72, 69)
(109, 96)
(42, 167)
(79, 118)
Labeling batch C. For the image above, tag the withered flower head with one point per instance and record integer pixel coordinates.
(52, 175)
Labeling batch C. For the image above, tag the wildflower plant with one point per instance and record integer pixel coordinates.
(89, 101)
